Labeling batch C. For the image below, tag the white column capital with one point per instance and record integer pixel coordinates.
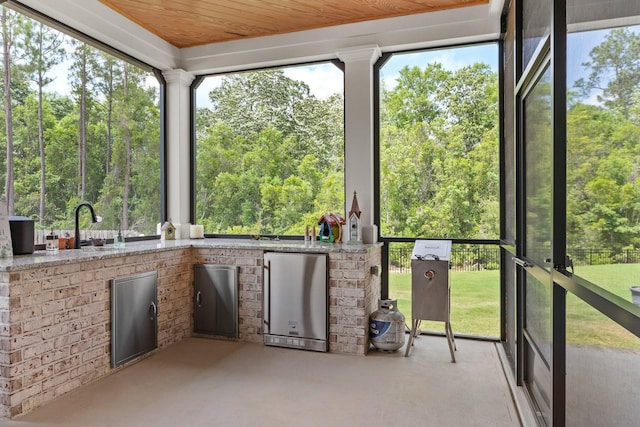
(179, 76)
(369, 53)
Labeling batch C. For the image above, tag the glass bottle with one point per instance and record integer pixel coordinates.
(52, 243)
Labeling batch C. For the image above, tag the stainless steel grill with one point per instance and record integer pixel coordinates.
(430, 288)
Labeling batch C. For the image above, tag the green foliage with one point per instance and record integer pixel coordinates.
(269, 156)
(603, 154)
(270, 160)
(414, 100)
(98, 112)
(439, 153)
(615, 68)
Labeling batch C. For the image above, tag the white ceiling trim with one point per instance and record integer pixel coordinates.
(462, 25)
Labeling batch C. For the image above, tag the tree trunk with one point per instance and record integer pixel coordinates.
(6, 60)
(109, 119)
(127, 153)
(82, 139)
(41, 140)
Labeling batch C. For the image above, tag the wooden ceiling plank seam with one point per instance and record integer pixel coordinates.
(241, 8)
(308, 12)
(337, 11)
(235, 9)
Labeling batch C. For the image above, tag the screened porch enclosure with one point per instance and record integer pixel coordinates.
(517, 139)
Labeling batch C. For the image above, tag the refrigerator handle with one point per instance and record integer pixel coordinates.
(267, 300)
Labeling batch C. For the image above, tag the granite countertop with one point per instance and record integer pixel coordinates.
(90, 253)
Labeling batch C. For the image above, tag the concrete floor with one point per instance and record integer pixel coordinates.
(202, 382)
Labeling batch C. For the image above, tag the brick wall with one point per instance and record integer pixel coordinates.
(353, 295)
(55, 323)
(249, 263)
(55, 331)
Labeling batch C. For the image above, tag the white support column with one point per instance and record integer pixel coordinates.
(178, 149)
(358, 111)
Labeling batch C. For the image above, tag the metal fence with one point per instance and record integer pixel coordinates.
(604, 256)
(463, 258)
(487, 257)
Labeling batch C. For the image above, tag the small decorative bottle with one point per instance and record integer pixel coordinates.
(118, 240)
(52, 243)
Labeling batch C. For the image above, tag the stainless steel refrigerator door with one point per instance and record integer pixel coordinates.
(295, 300)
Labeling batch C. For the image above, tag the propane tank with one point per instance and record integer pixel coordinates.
(386, 326)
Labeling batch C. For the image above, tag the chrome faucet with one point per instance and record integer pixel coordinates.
(94, 219)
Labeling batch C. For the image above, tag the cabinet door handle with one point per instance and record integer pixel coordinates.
(199, 299)
(267, 307)
(153, 310)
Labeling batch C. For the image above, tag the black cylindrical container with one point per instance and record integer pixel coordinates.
(22, 234)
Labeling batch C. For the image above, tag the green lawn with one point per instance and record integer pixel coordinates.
(585, 324)
(475, 304)
(475, 301)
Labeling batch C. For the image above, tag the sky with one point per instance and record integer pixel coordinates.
(452, 59)
(325, 79)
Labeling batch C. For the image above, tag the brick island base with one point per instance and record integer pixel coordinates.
(55, 316)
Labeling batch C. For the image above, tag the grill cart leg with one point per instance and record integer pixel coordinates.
(412, 335)
(450, 341)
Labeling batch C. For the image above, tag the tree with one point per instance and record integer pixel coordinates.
(414, 98)
(107, 71)
(439, 153)
(470, 97)
(128, 198)
(253, 101)
(603, 155)
(81, 73)
(10, 23)
(43, 49)
(101, 143)
(269, 155)
(615, 70)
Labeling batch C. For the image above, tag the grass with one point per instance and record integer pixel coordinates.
(585, 324)
(475, 304)
(475, 301)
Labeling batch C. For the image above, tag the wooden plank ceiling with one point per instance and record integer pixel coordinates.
(187, 23)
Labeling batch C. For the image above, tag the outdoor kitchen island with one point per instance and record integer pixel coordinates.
(55, 319)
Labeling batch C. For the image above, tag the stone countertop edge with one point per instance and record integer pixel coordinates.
(88, 253)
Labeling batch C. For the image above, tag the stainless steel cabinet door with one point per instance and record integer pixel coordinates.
(216, 300)
(134, 317)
